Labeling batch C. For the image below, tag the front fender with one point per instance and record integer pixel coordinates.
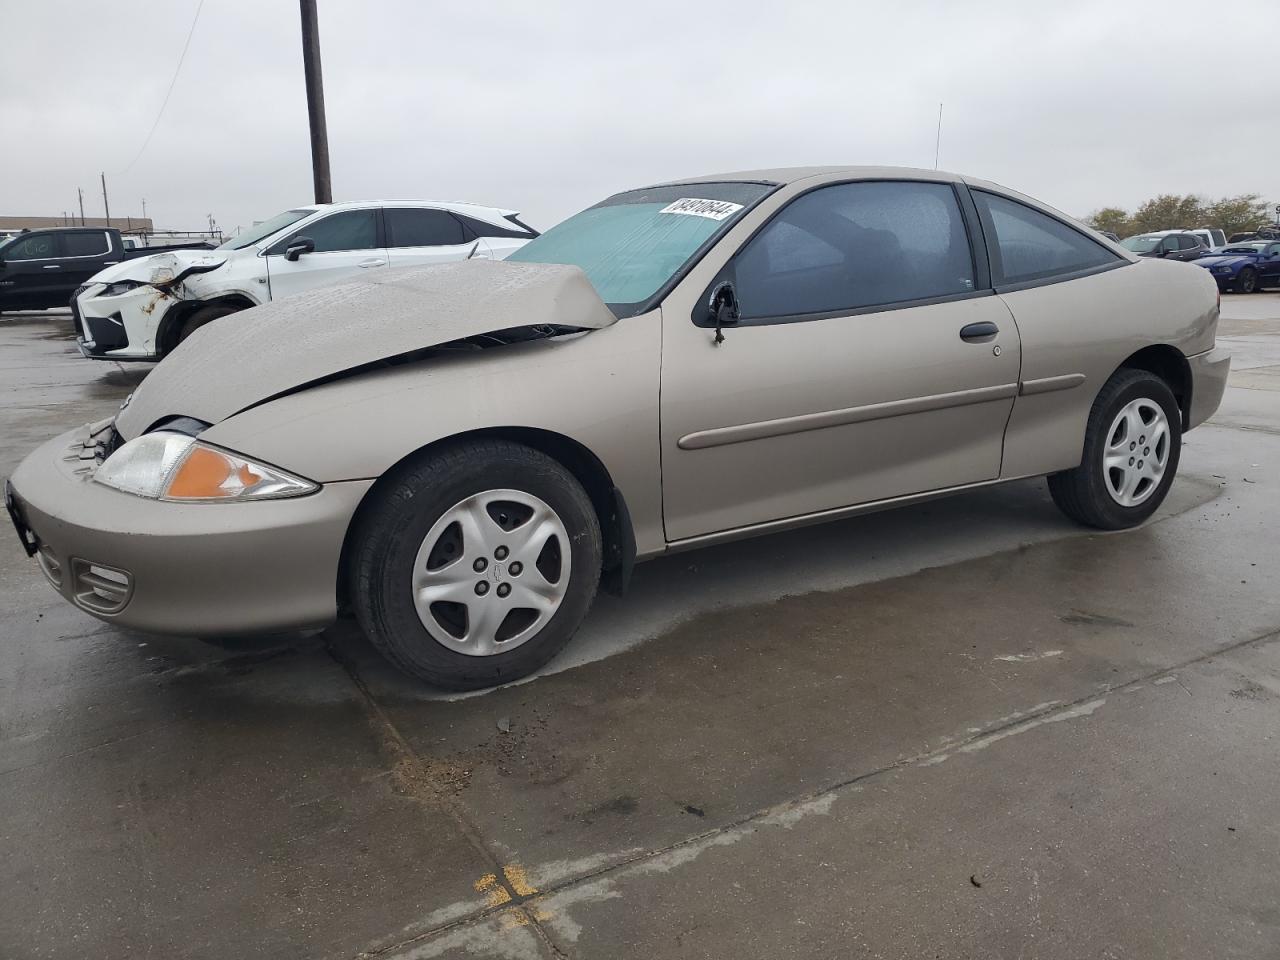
(599, 389)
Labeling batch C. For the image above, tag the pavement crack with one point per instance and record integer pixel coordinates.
(504, 886)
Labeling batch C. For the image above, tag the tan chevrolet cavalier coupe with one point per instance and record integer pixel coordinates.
(461, 455)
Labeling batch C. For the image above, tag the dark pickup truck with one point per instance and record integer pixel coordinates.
(42, 268)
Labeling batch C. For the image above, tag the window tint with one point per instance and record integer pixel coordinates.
(856, 245)
(408, 227)
(85, 244)
(1034, 246)
(1273, 249)
(348, 230)
(1187, 242)
(38, 246)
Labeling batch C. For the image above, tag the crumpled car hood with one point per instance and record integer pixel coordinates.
(142, 268)
(244, 359)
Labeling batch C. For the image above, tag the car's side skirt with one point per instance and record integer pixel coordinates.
(823, 516)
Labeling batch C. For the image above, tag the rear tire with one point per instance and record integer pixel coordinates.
(475, 565)
(1247, 282)
(1131, 449)
(203, 316)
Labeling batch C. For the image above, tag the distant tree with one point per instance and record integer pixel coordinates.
(1235, 214)
(1111, 219)
(1169, 212)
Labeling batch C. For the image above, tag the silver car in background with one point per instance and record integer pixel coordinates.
(463, 454)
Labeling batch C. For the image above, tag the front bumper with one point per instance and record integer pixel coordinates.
(191, 569)
(118, 328)
(1209, 371)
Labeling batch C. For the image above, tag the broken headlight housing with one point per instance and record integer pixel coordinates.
(119, 287)
(164, 465)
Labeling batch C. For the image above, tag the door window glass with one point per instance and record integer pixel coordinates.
(37, 246)
(408, 227)
(1035, 246)
(856, 245)
(348, 230)
(85, 244)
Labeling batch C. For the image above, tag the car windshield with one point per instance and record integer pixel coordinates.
(631, 245)
(1244, 248)
(1141, 244)
(265, 229)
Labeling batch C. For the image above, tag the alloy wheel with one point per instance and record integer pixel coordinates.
(1137, 452)
(491, 572)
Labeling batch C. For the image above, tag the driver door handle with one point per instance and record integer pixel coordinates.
(980, 332)
(372, 262)
(53, 266)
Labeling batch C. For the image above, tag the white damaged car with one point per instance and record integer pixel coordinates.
(141, 309)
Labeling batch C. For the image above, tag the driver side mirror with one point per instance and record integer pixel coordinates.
(723, 307)
(297, 247)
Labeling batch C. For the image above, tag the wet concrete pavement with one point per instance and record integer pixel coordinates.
(967, 728)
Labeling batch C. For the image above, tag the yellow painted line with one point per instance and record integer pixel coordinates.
(519, 882)
(495, 893)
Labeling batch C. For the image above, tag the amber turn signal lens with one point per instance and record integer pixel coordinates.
(207, 474)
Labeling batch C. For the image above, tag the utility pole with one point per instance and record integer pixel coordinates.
(144, 208)
(81, 193)
(937, 143)
(105, 205)
(315, 102)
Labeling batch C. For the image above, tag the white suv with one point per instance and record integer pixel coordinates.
(141, 309)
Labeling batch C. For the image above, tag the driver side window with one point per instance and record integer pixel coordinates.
(347, 230)
(854, 246)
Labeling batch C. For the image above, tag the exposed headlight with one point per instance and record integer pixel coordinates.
(1221, 269)
(172, 466)
(115, 289)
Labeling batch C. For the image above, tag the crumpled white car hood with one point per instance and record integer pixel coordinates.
(143, 269)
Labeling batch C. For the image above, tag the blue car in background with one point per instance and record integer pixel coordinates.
(1244, 267)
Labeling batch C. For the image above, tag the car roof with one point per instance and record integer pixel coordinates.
(497, 215)
(780, 176)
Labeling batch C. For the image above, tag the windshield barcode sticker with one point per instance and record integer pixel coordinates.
(711, 209)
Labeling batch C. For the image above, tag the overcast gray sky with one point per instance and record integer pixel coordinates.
(548, 106)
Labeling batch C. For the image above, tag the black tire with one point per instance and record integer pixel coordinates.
(1247, 282)
(1082, 493)
(201, 317)
(393, 526)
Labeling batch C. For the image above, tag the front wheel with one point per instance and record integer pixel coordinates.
(1131, 450)
(474, 566)
(1247, 282)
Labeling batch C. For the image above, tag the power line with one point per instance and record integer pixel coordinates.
(168, 92)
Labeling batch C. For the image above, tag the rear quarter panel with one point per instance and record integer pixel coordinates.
(1090, 326)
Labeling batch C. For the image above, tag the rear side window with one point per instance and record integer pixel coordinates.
(480, 228)
(853, 246)
(85, 244)
(348, 230)
(1030, 245)
(410, 227)
(38, 246)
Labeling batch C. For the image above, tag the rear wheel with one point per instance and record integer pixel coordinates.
(475, 566)
(1131, 450)
(1247, 282)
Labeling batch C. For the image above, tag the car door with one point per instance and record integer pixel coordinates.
(31, 275)
(85, 252)
(870, 361)
(347, 243)
(422, 235)
(1189, 247)
(1269, 265)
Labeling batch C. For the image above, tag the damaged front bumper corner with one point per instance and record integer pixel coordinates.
(193, 569)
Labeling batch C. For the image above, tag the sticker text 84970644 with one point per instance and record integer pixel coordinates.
(694, 207)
